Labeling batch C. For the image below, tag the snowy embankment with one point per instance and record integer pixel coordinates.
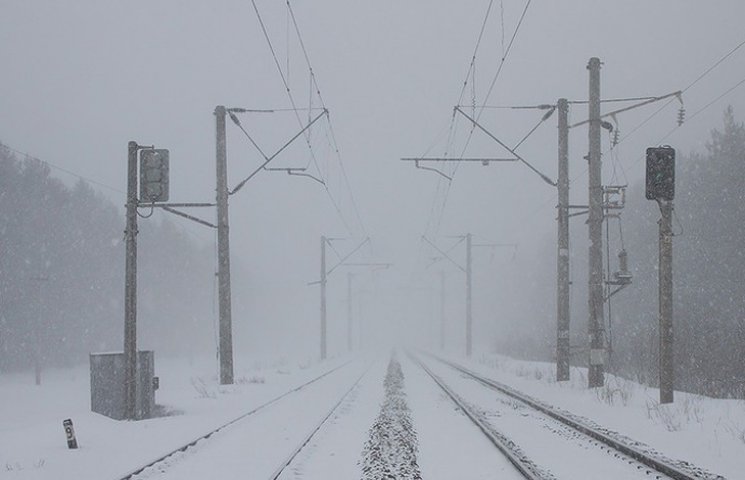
(32, 440)
(391, 450)
(706, 432)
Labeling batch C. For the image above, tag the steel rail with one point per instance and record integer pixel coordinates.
(207, 435)
(631, 452)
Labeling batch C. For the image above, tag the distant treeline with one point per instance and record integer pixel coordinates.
(708, 274)
(62, 274)
(708, 271)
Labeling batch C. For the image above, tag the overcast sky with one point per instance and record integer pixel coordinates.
(80, 79)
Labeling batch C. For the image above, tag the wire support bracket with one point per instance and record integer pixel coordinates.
(268, 159)
(544, 177)
(189, 217)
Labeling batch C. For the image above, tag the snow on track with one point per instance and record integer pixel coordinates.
(555, 447)
(627, 446)
(450, 445)
(334, 452)
(258, 444)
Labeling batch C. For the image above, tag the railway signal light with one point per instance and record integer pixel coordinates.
(660, 173)
(154, 175)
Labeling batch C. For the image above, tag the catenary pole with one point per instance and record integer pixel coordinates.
(562, 258)
(223, 252)
(595, 226)
(323, 297)
(469, 283)
(130, 287)
(666, 301)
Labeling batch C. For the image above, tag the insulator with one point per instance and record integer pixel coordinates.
(623, 261)
(681, 116)
(616, 135)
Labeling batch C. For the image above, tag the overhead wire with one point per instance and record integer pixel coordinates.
(440, 178)
(507, 52)
(453, 120)
(486, 99)
(475, 50)
(314, 160)
(332, 133)
(501, 16)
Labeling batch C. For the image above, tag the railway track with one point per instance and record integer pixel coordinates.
(508, 448)
(287, 463)
(161, 461)
(646, 464)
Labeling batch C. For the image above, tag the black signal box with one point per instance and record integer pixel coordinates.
(660, 173)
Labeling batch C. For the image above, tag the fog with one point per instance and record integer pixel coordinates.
(81, 79)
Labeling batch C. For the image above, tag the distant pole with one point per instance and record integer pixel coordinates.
(469, 282)
(349, 311)
(130, 287)
(595, 226)
(223, 252)
(38, 329)
(442, 310)
(323, 298)
(562, 258)
(666, 302)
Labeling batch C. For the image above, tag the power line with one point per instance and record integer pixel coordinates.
(690, 85)
(61, 169)
(705, 107)
(715, 65)
(91, 181)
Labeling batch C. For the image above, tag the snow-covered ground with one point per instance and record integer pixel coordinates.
(33, 444)
(706, 432)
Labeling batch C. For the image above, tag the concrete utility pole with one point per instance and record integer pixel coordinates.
(469, 283)
(130, 287)
(595, 225)
(442, 309)
(350, 276)
(323, 297)
(666, 301)
(562, 258)
(223, 252)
